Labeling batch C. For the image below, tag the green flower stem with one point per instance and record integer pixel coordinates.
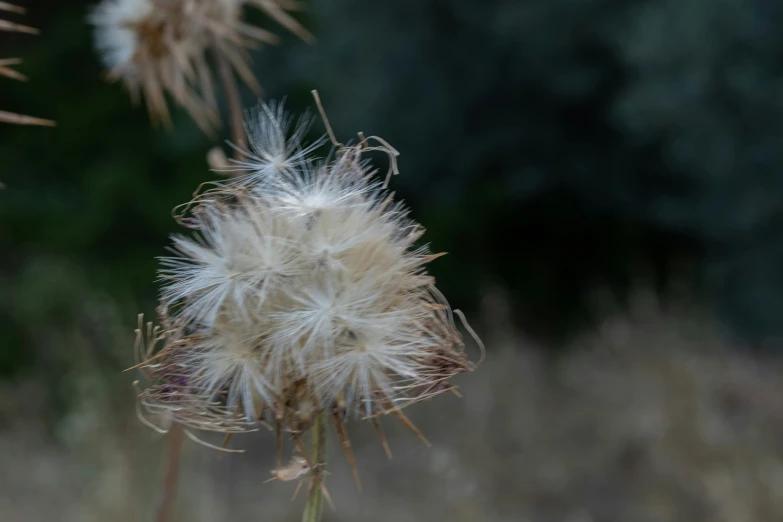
(315, 498)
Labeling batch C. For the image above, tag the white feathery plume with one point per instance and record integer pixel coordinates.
(238, 259)
(230, 361)
(275, 144)
(304, 292)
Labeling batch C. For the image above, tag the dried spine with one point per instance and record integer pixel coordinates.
(7, 70)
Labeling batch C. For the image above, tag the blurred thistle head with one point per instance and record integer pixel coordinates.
(7, 64)
(164, 47)
(302, 292)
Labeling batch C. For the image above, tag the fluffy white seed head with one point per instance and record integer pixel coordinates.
(304, 284)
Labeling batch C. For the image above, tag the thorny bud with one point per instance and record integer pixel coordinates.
(159, 47)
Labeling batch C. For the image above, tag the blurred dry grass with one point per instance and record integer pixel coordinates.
(655, 417)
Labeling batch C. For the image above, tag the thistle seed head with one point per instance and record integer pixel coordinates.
(303, 291)
(160, 47)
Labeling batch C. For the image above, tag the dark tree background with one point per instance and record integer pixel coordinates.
(550, 146)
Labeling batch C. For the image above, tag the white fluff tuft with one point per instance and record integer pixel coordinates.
(304, 282)
(275, 144)
(115, 37)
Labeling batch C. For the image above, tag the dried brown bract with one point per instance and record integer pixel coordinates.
(160, 47)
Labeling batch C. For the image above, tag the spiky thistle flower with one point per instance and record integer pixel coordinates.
(302, 293)
(160, 47)
(6, 67)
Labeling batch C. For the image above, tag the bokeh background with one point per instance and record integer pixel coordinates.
(606, 176)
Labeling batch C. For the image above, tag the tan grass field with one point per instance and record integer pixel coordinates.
(653, 417)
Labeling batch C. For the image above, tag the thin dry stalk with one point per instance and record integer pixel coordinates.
(315, 495)
(20, 119)
(407, 422)
(382, 436)
(8, 72)
(172, 474)
(346, 444)
(234, 101)
(12, 27)
(11, 8)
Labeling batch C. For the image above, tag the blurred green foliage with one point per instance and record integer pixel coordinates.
(549, 146)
